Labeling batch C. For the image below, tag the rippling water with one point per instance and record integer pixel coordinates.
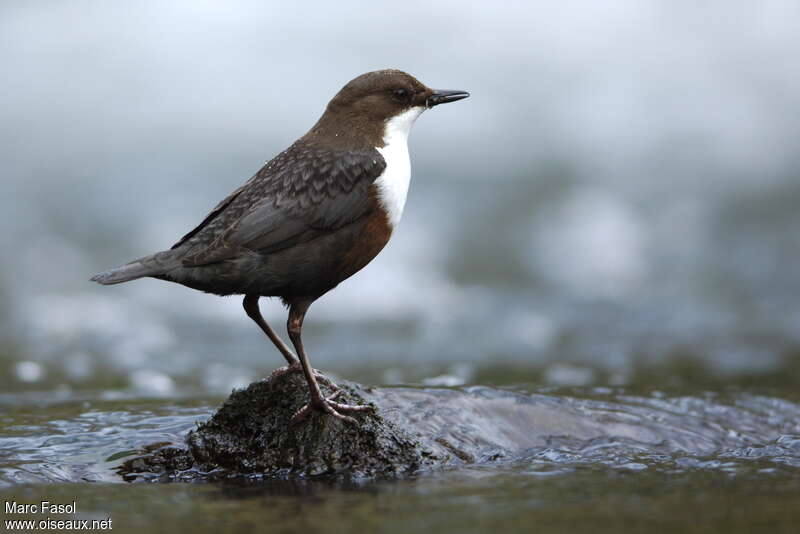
(519, 455)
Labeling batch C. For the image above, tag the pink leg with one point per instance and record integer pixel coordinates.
(318, 402)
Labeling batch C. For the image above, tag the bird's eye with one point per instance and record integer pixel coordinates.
(400, 95)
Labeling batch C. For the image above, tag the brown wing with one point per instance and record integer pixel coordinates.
(303, 192)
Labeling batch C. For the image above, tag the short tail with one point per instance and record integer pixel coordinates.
(153, 265)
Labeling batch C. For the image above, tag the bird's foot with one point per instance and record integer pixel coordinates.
(329, 406)
(297, 368)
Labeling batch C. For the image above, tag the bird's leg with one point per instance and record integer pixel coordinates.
(297, 313)
(250, 304)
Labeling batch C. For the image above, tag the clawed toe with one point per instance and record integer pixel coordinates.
(350, 407)
(329, 406)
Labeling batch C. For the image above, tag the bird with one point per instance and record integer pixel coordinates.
(310, 218)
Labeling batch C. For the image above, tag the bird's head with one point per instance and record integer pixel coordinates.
(383, 100)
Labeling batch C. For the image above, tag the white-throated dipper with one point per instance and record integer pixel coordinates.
(308, 219)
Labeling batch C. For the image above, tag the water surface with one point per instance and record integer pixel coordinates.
(586, 459)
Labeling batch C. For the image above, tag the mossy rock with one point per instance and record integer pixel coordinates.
(252, 433)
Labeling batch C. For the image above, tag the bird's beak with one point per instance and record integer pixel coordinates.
(442, 96)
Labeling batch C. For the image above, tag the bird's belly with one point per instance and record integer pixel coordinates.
(364, 246)
(314, 268)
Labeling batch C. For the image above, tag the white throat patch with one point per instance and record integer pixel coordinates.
(393, 183)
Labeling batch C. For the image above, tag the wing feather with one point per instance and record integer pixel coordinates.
(302, 193)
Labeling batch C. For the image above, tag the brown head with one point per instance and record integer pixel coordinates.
(359, 112)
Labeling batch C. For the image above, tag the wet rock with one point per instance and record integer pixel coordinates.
(252, 434)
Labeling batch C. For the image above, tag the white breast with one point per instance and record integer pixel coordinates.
(393, 183)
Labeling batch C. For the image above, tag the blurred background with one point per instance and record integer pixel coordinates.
(616, 204)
